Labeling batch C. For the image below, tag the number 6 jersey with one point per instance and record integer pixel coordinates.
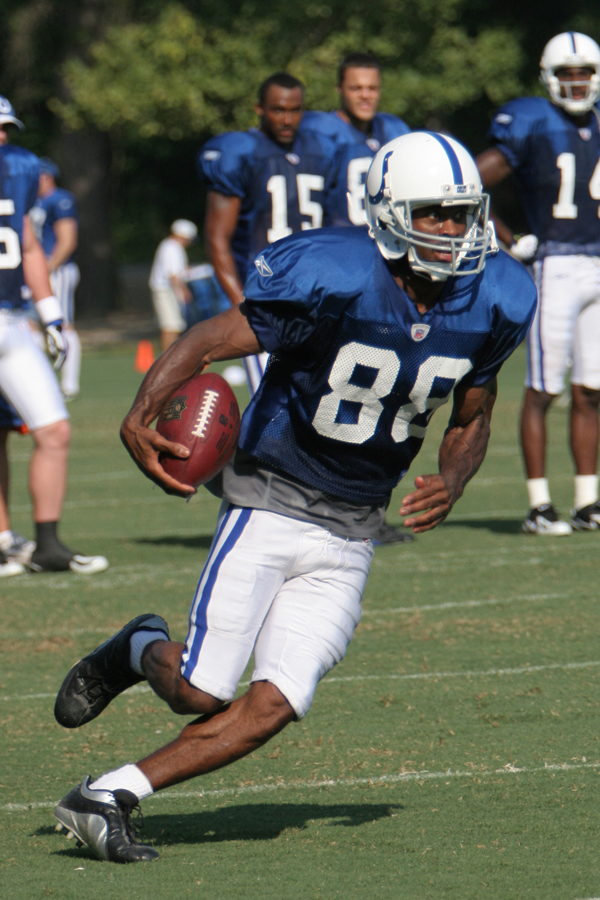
(556, 161)
(356, 373)
(282, 189)
(19, 173)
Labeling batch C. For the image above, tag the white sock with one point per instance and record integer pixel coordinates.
(138, 643)
(127, 778)
(69, 374)
(6, 539)
(538, 492)
(586, 491)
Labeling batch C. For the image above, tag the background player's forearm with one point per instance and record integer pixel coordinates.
(66, 232)
(493, 168)
(221, 221)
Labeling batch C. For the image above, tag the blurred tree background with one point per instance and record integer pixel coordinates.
(123, 92)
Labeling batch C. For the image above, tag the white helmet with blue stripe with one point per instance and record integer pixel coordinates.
(421, 169)
(571, 50)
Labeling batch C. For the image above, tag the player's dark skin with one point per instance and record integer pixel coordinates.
(359, 92)
(280, 116)
(584, 425)
(225, 733)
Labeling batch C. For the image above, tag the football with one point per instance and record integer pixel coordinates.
(204, 416)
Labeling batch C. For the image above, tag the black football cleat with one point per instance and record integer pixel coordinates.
(59, 558)
(587, 518)
(545, 520)
(101, 675)
(387, 534)
(101, 821)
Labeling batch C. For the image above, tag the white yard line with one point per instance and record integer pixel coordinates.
(429, 607)
(459, 604)
(372, 781)
(415, 676)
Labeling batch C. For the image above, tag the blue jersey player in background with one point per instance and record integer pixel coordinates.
(27, 381)
(264, 184)
(553, 147)
(369, 334)
(56, 221)
(358, 131)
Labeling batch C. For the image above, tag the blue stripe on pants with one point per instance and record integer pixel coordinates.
(200, 616)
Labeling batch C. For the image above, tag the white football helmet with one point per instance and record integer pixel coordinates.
(424, 169)
(565, 50)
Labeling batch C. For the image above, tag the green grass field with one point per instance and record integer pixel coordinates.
(453, 754)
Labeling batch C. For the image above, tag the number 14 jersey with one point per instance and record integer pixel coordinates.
(356, 373)
(556, 161)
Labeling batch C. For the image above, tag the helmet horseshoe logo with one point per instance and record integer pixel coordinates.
(384, 170)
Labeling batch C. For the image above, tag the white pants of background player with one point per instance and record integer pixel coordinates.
(287, 590)
(255, 369)
(566, 328)
(168, 310)
(64, 282)
(27, 379)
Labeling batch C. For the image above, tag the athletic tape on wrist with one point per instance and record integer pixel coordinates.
(49, 310)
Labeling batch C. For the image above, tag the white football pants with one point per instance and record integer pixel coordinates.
(288, 590)
(27, 379)
(566, 328)
(255, 369)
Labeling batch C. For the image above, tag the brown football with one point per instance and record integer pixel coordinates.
(204, 416)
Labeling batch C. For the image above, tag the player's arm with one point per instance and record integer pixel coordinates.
(35, 273)
(461, 453)
(222, 214)
(66, 232)
(493, 168)
(226, 336)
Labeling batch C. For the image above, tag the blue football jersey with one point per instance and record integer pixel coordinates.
(60, 204)
(19, 174)
(282, 190)
(557, 165)
(356, 372)
(354, 152)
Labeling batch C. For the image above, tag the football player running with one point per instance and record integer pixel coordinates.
(26, 377)
(553, 147)
(264, 184)
(370, 332)
(358, 131)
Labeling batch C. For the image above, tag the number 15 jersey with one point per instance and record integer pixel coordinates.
(356, 373)
(557, 164)
(282, 189)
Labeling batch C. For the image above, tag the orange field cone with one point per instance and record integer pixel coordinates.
(144, 357)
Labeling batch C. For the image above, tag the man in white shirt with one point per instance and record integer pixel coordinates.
(167, 281)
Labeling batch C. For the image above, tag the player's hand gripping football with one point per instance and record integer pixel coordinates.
(56, 341)
(144, 445)
(433, 499)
